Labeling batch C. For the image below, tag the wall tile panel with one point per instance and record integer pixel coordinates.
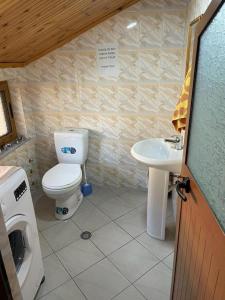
(64, 89)
(151, 30)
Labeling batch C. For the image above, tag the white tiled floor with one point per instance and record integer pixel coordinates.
(134, 222)
(156, 283)
(110, 238)
(119, 262)
(62, 234)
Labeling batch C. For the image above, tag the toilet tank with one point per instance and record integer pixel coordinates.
(71, 145)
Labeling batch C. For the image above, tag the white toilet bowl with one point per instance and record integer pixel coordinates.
(62, 183)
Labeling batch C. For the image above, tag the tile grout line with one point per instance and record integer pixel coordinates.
(39, 233)
(128, 288)
(140, 292)
(36, 298)
(95, 228)
(96, 206)
(60, 286)
(71, 278)
(87, 267)
(132, 282)
(107, 257)
(55, 253)
(160, 259)
(167, 257)
(150, 271)
(125, 229)
(147, 272)
(132, 238)
(58, 222)
(115, 249)
(80, 290)
(111, 220)
(129, 211)
(66, 245)
(120, 292)
(117, 196)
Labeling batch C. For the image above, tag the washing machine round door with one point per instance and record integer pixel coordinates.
(20, 238)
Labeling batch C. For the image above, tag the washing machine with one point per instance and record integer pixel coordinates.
(20, 221)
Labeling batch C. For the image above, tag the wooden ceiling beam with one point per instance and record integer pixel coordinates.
(12, 65)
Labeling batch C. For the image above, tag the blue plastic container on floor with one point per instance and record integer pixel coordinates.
(86, 189)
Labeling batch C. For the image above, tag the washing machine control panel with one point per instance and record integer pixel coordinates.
(20, 190)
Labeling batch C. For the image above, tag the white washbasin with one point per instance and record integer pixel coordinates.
(156, 153)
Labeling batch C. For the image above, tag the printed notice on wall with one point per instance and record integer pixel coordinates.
(107, 60)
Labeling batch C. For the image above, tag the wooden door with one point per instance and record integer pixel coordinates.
(199, 266)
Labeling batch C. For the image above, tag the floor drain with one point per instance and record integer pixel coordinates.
(86, 235)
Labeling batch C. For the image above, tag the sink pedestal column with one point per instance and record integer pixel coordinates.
(157, 203)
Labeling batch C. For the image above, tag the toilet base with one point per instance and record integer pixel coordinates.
(66, 208)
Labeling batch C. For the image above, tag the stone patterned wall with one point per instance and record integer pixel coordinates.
(64, 89)
(25, 155)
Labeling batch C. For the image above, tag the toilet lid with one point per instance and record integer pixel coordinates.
(62, 176)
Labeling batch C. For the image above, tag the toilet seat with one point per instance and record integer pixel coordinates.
(62, 176)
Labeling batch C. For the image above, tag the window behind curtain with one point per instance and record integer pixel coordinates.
(7, 124)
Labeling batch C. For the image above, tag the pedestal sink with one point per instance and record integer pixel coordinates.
(161, 158)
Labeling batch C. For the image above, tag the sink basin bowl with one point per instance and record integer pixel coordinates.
(156, 153)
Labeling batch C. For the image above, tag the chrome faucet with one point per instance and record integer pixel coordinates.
(177, 140)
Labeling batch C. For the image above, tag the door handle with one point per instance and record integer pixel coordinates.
(183, 185)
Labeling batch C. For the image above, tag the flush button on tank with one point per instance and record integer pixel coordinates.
(70, 150)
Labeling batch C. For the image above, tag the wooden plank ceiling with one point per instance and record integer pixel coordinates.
(30, 29)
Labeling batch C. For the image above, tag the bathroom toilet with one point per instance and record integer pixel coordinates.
(62, 182)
